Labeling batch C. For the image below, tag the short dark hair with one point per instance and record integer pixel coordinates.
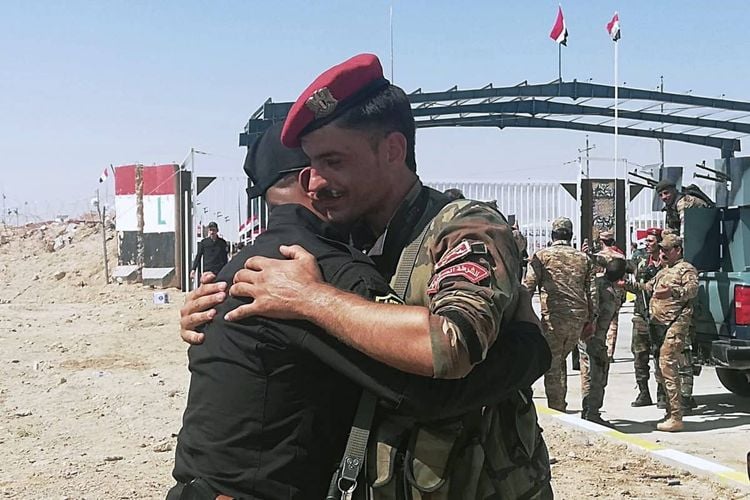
(387, 111)
(562, 234)
(615, 269)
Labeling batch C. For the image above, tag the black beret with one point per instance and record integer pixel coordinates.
(268, 161)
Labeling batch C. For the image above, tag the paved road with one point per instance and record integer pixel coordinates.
(718, 430)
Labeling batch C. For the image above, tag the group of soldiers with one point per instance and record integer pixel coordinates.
(581, 294)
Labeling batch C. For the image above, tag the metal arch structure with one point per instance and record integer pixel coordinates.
(570, 105)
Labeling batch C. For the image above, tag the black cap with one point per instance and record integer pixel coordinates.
(213, 225)
(268, 160)
(665, 184)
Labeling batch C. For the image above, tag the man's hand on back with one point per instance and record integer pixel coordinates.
(280, 289)
(198, 308)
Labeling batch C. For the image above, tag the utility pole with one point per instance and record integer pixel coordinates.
(586, 150)
(102, 213)
(661, 141)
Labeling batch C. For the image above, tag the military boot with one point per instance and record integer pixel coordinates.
(688, 403)
(672, 424)
(644, 396)
(661, 397)
(597, 419)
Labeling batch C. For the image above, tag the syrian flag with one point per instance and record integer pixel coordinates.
(104, 176)
(613, 28)
(559, 31)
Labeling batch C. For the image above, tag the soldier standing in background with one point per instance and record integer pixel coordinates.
(593, 344)
(608, 252)
(213, 251)
(522, 244)
(565, 277)
(675, 205)
(673, 290)
(646, 268)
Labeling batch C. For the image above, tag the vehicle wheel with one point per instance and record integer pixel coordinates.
(735, 381)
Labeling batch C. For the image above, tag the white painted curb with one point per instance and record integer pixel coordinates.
(696, 465)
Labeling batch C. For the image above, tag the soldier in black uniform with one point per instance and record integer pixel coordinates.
(213, 250)
(265, 417)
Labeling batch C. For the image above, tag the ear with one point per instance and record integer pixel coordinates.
(395, 148)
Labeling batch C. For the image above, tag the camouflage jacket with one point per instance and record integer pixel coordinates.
(465, 273)
(608, 301)
(644, 269)
(682, 278)
(565, 277)
(675, 213)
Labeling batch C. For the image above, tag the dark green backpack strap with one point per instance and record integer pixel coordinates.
(344, 481)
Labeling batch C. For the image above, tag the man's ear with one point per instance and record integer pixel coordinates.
(395, 144)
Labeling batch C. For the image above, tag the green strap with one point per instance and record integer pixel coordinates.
(345, 479)
(400, 280)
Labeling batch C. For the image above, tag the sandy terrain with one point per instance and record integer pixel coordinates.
(93, 382)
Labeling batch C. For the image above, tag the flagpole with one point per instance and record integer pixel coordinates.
(616, 135)
(559, 61)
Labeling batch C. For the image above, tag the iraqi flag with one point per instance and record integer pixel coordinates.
(104, 176)
(559, 31)
(613, 27)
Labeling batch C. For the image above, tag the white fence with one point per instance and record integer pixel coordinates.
(536, 205)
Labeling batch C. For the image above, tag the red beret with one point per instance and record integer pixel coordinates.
(654, 231)
(333, 92)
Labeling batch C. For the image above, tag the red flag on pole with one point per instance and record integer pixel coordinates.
(613, 27)
(104, 176)
(559, 31)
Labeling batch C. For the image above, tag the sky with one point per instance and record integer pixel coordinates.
(86, 84)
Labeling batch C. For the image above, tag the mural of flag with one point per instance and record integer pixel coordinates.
(559, 31)
(613, 27)
(104, 176)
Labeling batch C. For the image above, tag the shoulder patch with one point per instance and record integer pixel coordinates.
(470, 271)
(461, 250)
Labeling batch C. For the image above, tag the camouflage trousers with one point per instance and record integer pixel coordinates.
(640, 346)
(671, 359)
(562, 334)
(594, 372)
(612, 332)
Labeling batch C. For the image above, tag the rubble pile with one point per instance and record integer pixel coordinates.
(50, 260)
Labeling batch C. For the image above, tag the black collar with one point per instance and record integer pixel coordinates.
(299, 215)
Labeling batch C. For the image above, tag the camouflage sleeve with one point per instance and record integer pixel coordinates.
(473, 286)
(593, 292)
(689, 289)
(533, 274)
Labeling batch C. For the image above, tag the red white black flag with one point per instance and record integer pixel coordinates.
(613, 27)
(104, 176)
(559, 31)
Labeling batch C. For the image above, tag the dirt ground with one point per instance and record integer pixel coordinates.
(93, 383)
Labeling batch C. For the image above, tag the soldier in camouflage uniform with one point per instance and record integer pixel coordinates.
(608, 252)
(645, 270)
(593, 344)
(673, 290)
(565, 278)
(358, 131)
(675, 205)
(522, 244)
